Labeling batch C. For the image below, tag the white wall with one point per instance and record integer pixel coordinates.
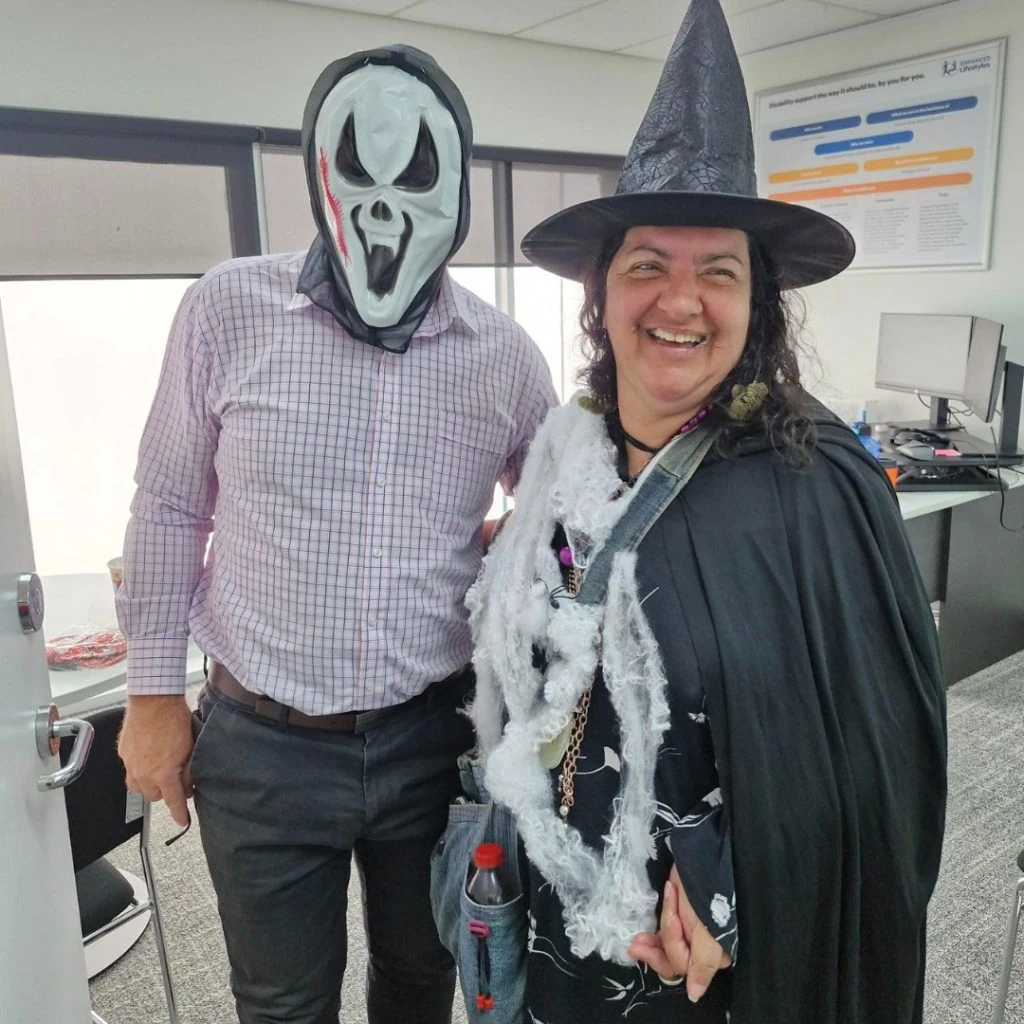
(843, 313)
(254, 61)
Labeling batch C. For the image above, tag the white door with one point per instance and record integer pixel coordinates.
(42, 963)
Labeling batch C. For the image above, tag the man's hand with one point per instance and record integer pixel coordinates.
(155, 744)
(492, 527)
(487, 531)
(683, 946)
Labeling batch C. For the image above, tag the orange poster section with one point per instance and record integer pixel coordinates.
(941, 156)
(809, 173)
(874, 187)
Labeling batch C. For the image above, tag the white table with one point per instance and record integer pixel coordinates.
(920, 503)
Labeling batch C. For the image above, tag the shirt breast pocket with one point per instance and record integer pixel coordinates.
(471, 454)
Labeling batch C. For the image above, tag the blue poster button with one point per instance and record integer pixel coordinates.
(923, 110)
(867, 142)
(815, 128)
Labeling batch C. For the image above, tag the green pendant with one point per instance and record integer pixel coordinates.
(552, 752)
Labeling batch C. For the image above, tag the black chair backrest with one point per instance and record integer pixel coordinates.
(97, 799)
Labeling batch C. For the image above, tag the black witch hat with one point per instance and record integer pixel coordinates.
(692, 164)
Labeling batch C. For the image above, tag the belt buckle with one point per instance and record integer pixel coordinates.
(271, 709)
(363, 721)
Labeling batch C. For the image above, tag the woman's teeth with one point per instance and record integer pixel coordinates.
(688, 339)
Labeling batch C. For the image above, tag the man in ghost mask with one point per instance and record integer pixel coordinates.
(333, 423)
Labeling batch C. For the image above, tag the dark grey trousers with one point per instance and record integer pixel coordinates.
(282, 810)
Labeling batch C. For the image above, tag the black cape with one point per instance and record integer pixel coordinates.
(827, 709)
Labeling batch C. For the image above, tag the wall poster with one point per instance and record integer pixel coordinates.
(904, 155)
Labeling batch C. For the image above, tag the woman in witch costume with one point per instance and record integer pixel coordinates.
(728, 777)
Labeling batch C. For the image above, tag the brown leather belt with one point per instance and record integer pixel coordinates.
(221, 680)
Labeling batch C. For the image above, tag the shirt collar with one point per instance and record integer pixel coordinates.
(451, 303)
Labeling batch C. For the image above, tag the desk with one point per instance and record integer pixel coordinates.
(974, 567)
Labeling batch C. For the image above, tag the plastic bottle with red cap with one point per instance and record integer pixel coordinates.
(486, 885)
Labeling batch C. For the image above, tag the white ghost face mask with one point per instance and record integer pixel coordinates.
(389, 174)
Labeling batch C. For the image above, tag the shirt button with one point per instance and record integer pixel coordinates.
(371, 620)
(385, 416)
(381, 481)
(378, 552)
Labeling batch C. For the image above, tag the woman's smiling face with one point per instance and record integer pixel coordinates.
(677, 310)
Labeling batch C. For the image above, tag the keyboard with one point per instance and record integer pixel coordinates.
(930, 477)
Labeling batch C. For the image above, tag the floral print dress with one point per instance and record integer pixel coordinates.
(688, 829)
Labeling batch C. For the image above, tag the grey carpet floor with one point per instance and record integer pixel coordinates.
(984, 834)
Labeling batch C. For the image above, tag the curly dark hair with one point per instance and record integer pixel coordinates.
(770, 355)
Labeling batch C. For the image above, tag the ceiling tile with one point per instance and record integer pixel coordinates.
(361, 6)
(789, 20)
(613, 24)
(656, 49)
(640, 28)
(889, 7)
(500, 17)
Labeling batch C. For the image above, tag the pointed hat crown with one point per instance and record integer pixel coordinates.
(692, 164)
(696, 134)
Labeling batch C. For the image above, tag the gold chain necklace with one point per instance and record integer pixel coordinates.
(566, 781)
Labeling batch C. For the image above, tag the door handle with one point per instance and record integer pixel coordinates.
(50, 727)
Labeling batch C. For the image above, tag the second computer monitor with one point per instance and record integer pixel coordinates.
(943, 357)
(984, 368)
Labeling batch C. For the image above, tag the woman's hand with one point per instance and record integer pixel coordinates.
(683, 947)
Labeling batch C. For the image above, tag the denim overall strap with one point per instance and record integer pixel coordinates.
(662, 482)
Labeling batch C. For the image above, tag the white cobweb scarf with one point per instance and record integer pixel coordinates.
(569, 478)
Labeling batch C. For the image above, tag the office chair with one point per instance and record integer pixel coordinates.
(1011, 942)
(97, 806)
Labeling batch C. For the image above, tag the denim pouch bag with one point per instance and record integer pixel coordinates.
(488, 943)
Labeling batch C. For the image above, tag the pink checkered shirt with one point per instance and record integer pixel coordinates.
(341, 489)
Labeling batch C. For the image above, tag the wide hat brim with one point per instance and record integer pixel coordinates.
(807, 246)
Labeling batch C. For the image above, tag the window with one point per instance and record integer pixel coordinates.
(548, 307)
(106, 223)
(108, 220)
(66, 216)
(84, 358)
(290, 226)
(87, 196)
(540, 190)
(481, 281)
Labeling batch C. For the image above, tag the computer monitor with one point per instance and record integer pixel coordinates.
(985, 363)
(944, 357)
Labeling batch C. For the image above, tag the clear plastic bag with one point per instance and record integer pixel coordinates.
(86, 647)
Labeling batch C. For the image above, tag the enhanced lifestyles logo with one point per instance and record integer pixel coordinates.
(964, 65)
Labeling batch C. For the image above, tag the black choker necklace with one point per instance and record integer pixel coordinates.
(630, 439)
